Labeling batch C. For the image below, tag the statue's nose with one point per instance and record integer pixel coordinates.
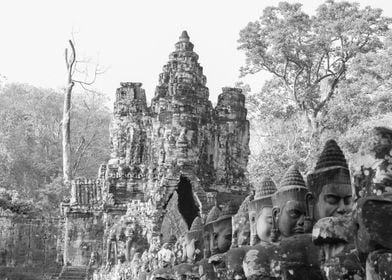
(301, 220)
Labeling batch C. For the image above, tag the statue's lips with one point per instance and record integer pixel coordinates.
(299, 230)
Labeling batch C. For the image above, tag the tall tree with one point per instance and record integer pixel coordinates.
(310, 54)
(72, 68)
(70, 60)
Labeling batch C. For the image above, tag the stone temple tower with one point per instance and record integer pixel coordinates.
(170, 162)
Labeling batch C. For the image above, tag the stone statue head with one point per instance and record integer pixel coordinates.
(222, 231)
(241, 225)
(330, 183)
(260, 211)
(290, 205)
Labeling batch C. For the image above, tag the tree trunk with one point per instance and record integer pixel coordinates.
(313, 123)
(66, 129)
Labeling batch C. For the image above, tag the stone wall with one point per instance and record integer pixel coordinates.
(28, 247)
(84, 236)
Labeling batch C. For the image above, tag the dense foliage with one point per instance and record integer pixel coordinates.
(30, 141)
(331, 79)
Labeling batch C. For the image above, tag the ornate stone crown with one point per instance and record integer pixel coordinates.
(263, 195)
(292, 187)
(331, 168)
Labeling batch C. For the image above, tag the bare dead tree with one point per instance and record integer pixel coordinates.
(72, 68)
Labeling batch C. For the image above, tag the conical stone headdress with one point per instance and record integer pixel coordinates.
(263, 195)
(266, 188)
(292, 187)
(331, 168)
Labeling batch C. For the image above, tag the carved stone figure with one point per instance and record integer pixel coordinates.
(260, 212)
(222, 230)
(330, 183)
(331, 186)
(290, 211)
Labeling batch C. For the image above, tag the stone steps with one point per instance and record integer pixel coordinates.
(73, 273)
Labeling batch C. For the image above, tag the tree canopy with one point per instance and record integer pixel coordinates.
(310, 54)
(331, 79)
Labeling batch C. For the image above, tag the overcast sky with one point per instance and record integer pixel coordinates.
(132, 38)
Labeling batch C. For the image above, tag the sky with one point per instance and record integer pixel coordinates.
(130, 39)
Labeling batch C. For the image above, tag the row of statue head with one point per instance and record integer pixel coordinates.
(274, 213)
(266, 236)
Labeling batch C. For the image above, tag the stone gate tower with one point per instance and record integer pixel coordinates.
(170, 162)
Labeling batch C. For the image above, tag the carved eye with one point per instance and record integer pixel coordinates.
(331, 199)
(228, 236)
(295, 214)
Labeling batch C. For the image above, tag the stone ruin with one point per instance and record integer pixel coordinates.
(174, 202)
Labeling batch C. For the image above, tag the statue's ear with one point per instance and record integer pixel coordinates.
(275, 216)
(310, 203)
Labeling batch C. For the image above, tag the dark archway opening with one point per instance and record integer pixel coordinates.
(186, 203)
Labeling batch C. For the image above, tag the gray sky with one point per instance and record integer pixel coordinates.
(132, 38)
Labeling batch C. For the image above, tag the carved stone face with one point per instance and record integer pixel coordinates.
(334, 200)
(291, 218)
(264, 224)
(222, 235)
